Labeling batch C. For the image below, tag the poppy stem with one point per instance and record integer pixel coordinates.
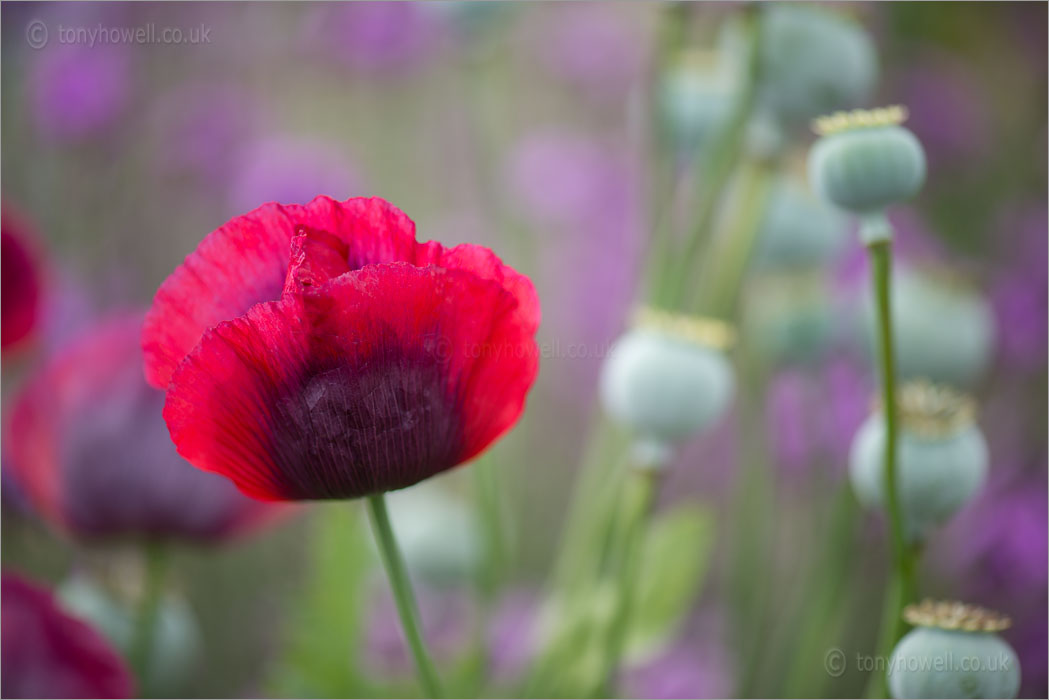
(639, 498)
(402, 594)
(719, 168)
(141, 652)
(901, 588)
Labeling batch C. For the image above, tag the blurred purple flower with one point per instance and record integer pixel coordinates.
(203, 129)
(997, 550)
(78, 91)
(512, 635)
(999, 543)
(563, 178)
(581, 194)
(1019, 290)
(594, 46)
(382, 37)
(688, 670)
(789, 421)
(448, 618)
(90, 449)
(290, 171)
(1028, 637)
(848, 391)
(947, 109)
(708, 464)
(838, 398)
(913, 244)
(447, 622)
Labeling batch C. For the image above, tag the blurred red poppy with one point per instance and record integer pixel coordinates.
(20, 293)
(319, 351)
(46, 653)
(89, 447)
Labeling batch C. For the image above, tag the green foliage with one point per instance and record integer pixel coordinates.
(674, 562)
(319, 660)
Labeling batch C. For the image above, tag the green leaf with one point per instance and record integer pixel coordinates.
(675, 559)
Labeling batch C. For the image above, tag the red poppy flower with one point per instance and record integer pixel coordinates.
(20, 293)
(319, 351)
(89, 448)
(48, 654)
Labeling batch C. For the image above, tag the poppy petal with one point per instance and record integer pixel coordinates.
(21, 280)
(485, 264)
(380, 378)
(46, 653)
(235, 267)
(247, 261)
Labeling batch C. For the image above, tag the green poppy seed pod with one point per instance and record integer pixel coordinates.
(810, 61)
(954, 651)
(941, 457)
(789, 316)
(865, 161)
(798, 230)
(943, 327)
(439, 537)
(85, 599)
(695, 99)
(176, 645)
(668, 377)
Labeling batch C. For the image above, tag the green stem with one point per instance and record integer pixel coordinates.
(491, 515)
(590, 509)
(639, 498)
(753, 527)
(720, 166)
(664, 175)
(156, 559)
(902, 587)
(722, 277)
(402, 594)
(810, 631)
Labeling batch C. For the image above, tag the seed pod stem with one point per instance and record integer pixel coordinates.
(142, 641)
(902, 587)
(636, 509)
(401, 587)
